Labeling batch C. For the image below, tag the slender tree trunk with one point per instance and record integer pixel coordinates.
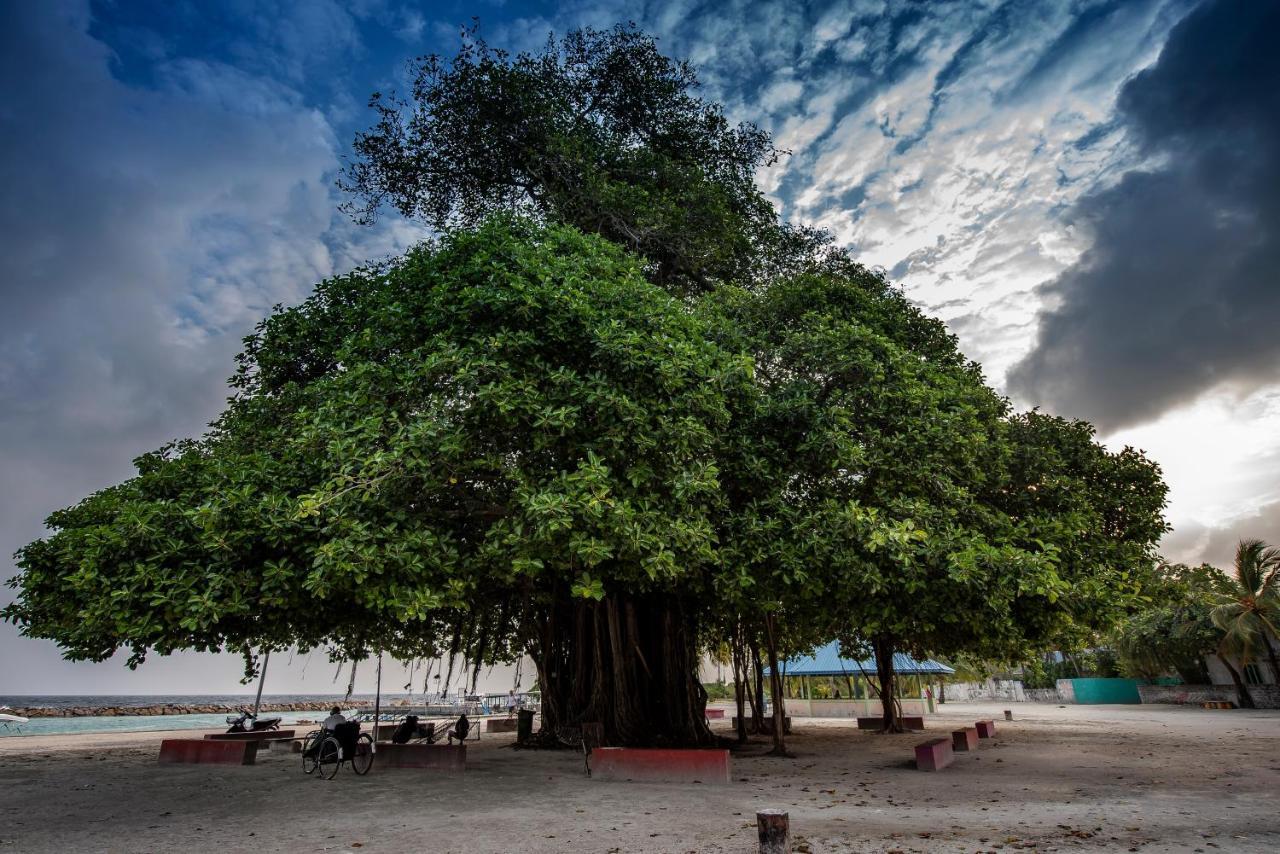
(1243, 698)
(1271, 658)
(757, 707)
(883, 648)
(740, 681)
(775, 685)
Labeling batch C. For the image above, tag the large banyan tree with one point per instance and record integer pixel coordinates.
(616, 412)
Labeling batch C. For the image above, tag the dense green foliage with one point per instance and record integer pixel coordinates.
(1247, 608)
(514, 409)
(600, 131)
(1175, 631)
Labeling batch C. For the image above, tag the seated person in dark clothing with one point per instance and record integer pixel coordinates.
(408, 730)
(460, 729)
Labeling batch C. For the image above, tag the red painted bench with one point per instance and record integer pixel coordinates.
(768, 724)
(934, 754)
(203, 751)
(986, 729)
(965, 739)
(261, 735)
(715, 714)
(451, 758)
(906, 721)
(660, 765)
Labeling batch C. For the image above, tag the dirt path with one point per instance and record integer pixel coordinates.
(1080, 778)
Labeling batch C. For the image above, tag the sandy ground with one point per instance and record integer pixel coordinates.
(1079, 778)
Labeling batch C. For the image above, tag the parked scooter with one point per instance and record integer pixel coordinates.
(246, 722)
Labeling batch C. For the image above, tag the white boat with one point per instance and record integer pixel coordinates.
(9, 721)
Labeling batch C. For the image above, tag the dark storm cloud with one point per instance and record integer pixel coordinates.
(1180, 291)
(143, 230)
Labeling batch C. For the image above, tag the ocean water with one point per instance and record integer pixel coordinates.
(149, 723)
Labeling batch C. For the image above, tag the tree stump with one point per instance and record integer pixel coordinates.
(775, 831)
(1008, 715)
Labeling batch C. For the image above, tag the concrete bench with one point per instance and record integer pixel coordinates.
(767, 724)
(934, 754)
(203, 751)
(261, 735)
(652, 765)
(906, 722)
(715, 714)
(450, 758)
(964, 739)
(986, 729)
(500, 725)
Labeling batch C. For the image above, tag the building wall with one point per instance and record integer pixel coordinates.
(1221, 676)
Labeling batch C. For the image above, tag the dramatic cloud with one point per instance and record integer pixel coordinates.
(144, 231)
(1179, 291)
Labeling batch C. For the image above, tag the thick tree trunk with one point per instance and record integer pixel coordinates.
(629, 663)
(1243, 698)
(883, 648)
(775, 685)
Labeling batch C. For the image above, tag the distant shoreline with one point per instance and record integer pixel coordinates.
(121, 710)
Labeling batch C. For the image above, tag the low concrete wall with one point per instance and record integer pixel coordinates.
(451, 758)
(848, 708)
(1264, 696)
(1042, 695)
(1006, 690)
(200, 751)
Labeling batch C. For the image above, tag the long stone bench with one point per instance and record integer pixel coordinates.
(260, 735)
(715, 714)
(767, 726)
(204, 751)
(934, 754)
(964, 739)
(500, 725)
(986, 729)
(906, 721)
(660, 765)
(450, 758)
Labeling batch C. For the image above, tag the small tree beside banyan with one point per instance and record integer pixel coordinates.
(616, 413)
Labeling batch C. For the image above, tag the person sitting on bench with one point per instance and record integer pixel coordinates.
(460, 729)
(410, 730)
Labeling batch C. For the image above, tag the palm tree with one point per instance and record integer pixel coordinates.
(1249, 612)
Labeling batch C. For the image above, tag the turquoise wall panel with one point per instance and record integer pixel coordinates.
(1098, 691)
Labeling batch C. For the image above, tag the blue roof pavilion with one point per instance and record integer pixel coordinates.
(826, 661)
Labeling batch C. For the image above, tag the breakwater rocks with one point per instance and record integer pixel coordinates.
(166, 709)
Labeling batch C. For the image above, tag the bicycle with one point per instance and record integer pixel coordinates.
(325, 750)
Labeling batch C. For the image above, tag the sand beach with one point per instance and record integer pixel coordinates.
(1075, 778)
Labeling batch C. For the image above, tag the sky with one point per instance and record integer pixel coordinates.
(1087, 192)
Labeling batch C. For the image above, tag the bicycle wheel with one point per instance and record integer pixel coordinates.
(329, 758)
(310, 752)
(362, 761)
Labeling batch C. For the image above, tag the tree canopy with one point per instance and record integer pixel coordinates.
(601, 131)
(616, 413)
